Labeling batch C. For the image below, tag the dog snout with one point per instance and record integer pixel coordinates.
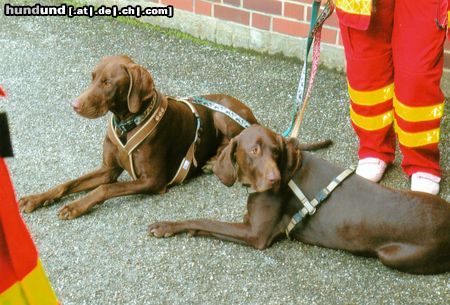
(273, 176)
(76, 105)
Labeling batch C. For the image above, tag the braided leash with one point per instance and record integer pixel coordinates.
(301, 98)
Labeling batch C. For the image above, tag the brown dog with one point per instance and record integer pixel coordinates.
(127, 90)
(409, 231)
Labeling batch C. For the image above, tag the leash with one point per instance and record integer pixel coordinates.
(313, 35)
(222, 109)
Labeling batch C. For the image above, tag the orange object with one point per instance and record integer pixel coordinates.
(23, 280)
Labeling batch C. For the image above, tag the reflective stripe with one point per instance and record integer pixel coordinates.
(416, 139)
(33, 289)
(371, 98)
(418, 114)
(359, 7)
(372, 122)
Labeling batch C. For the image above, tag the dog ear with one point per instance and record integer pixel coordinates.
(290, 157)
(140, 87)
(224, 168)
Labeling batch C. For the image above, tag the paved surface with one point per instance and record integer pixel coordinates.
(106, 257)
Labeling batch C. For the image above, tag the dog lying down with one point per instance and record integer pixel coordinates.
(154, 137)
(408, 231)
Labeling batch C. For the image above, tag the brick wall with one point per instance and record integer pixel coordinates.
(272, 26)
(289, 17)
(286, 17)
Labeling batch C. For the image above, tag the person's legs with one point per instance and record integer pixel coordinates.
(370, 83)
(417, 44)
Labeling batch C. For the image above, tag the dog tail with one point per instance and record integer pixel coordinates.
(316, 145)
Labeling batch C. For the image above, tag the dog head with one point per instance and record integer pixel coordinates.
(118, 85)
(260, 158)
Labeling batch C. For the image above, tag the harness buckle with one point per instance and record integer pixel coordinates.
(312, 211)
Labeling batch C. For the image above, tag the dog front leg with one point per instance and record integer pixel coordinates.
(105, 192)
(236, 232)
(86, 182)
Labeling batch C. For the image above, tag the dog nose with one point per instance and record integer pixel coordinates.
(273, 177)
(75, 104)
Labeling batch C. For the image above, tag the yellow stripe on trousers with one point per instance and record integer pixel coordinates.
(33, 289)
(371, 98)
(418, 114)
(373, 122)
(417, 139)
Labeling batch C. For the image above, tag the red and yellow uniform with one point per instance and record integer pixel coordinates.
(22, 278)
(394, 53)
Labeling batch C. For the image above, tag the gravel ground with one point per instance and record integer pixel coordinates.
(106, 257)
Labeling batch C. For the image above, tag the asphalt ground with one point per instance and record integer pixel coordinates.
(106, 257)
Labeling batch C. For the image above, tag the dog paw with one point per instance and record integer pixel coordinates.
(71, 211)
(161, 229)
(208, 167)
(30, 203)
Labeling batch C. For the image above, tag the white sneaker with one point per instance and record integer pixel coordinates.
(371, 169)
(425, 182)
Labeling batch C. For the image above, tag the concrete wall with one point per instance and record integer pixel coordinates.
(272, 26)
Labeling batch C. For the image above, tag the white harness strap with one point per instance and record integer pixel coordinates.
(309, 207)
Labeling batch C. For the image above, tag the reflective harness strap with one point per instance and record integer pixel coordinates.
(190, 155)
(126, 151)
(309, 207)
(189, 159)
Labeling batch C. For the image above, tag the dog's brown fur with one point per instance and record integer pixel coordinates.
(408, 231)
(157, 159)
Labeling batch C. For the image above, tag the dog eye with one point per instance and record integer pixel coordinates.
(255, 150)
(276, 153)
(106, 82)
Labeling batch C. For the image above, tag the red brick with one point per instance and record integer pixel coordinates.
(232, 2)
(293, 10)
(333, 21)
(203, 7)
(329, 36)
(260, 21)
(187, 5)
(289, 27)
(265, 6)
(231, 14)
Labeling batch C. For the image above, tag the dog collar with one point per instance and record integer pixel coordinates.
(129, 124)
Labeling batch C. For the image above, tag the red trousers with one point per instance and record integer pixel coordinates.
(394, 70)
